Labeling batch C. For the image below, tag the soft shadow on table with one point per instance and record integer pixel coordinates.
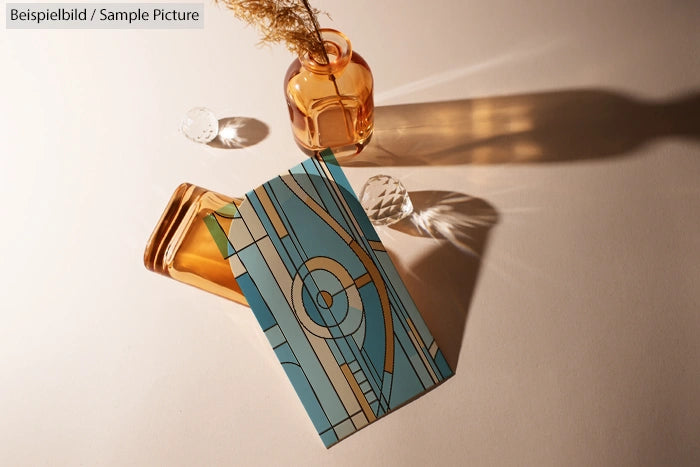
(567, 125)
(442, 282)
(239, 132)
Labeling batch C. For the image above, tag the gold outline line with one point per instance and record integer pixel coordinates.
(364, 279)
(376, 246)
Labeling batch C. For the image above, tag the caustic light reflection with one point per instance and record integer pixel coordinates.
(229, 134)
(443, 221)
(456, 217)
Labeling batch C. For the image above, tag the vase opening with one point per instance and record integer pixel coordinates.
(338, 49)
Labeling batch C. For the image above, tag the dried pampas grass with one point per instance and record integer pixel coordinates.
(292, 22)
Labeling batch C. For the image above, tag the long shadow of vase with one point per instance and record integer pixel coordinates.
(555, 126)
(442, 282)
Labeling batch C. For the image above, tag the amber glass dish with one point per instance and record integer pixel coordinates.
(181, 246)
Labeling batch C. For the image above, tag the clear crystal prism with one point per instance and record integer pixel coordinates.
(200, 125)
(385, 200)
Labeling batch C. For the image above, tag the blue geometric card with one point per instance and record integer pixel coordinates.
(329, 299)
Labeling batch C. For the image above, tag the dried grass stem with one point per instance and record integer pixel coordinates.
(291, 22)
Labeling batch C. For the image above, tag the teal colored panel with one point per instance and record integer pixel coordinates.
(406, 384)
(311, 308)
(315, 238)
(280, 196)
(306, 394)
(375, 375)
(330, 202)
(406, 300)
(341, 309)
(336, 333)
(374, 331)
(333, 344)
(388, 378)
(293, 257)
(401, 333)
(285, 355)
(345, 349)
(360, 377)
(274, 335)
(302, 270)
(331, 164)
(442, 365)
(308, 360)
(318, 181)
(255, 300)
(311, 287)
(365, 386)
(329, 438)
(252, 198)
(269, 229)
(350, 198)
(279, 193)
(325, 280)
(431, 361)
(420, 368)
(302, 179)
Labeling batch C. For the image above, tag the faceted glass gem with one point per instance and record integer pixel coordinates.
(200, 125)
(385, 200)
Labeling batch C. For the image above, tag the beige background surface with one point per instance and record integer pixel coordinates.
(573, 321)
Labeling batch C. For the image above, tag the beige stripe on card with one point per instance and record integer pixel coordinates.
(276, 266)
(238, 234)
(359, 420)
(433, 349)
(341, 199)
(251, 220)
(335, 375)
(271, 212)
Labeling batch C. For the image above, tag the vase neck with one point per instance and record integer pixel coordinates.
(339, 52)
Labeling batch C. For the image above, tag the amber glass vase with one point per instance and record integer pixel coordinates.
(331, 104)
(183, 247)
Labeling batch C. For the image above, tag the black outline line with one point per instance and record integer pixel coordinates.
(370, 257)
(294, 238)
(328, 182)
(333, 196)
(240, 216)
(294, 353)
(308, 176)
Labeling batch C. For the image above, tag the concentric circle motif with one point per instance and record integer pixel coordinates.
(334, 296)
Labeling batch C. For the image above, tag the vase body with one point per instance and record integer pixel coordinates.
(331, 105)
(184, 245)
